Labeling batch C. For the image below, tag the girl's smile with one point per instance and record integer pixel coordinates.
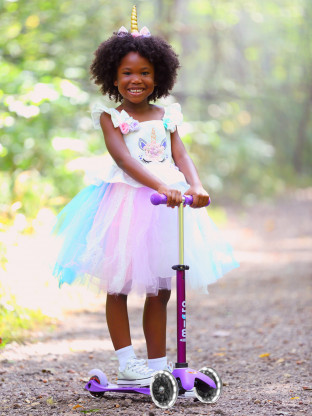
(135, 78)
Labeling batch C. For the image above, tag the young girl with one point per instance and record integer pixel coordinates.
(113, 237)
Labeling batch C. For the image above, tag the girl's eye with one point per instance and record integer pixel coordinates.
(126, 73)
(145, 73)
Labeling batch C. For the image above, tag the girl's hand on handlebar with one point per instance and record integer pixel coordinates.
(174, 197)
(200, 196)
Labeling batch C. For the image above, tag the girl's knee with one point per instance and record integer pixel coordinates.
(162, 297)
(114, 298)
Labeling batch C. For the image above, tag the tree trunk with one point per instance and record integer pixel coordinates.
(302, 133)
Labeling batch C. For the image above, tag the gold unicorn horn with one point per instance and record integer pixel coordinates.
(134, 20)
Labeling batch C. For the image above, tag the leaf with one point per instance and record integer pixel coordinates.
(90, 411)
(307, 388)
(77, 406)
(294, 398)
(50, 401)
(266, 354)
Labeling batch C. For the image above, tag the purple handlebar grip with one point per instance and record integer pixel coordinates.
(188, 199)
(157, 199)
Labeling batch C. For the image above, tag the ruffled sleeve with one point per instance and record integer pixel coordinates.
(96, 112)
(119, 119)
(173, 117)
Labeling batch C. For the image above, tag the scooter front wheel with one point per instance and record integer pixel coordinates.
(203, 391)
(164, 389)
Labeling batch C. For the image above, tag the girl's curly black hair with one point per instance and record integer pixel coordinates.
(110, 53)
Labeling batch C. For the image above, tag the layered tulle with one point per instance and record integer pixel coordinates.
(113, 238)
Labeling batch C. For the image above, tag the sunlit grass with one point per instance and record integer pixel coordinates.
(16, 321)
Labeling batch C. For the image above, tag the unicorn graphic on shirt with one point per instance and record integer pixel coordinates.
(153, 151)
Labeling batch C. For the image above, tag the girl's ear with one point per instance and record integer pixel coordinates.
(116, 83)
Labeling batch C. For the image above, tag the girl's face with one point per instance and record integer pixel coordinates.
(135, 78)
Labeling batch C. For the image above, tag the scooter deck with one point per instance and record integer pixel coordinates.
(94, 387)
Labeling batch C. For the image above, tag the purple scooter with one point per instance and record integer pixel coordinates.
(165, 387)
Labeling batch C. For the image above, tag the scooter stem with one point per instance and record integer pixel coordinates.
(181, 304)
(181, 233)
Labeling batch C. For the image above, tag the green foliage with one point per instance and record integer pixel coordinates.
(16, 321)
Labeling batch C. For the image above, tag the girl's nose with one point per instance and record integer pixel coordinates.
(136, 78)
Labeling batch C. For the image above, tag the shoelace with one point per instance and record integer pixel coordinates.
(139, 366)
(170, 366)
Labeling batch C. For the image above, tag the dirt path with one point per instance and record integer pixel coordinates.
(254, 328)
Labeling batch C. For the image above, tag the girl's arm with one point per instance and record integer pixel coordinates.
(187, 167)
(117, 148)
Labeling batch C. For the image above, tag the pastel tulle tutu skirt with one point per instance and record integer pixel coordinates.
(112, 238)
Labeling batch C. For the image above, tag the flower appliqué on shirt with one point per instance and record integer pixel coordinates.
(153, 151)
(129, 125)
(168, 124)
(125, 122)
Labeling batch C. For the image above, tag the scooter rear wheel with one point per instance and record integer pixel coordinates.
(203, 391)
(98, 393)
(98, 376)
(164, 389)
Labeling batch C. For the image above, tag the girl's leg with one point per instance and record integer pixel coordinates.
(131, 370)
(118, 320)
(155, 323)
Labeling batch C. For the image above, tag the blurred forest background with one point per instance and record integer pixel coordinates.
(245, 87)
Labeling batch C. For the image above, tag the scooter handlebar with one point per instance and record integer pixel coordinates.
(157, 199)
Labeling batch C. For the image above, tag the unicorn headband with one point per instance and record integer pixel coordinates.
(134, 27)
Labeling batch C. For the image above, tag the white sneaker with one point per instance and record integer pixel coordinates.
(136, 372)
